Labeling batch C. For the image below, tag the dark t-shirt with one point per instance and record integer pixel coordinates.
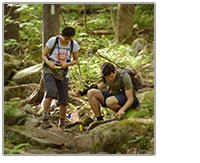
(116, 88)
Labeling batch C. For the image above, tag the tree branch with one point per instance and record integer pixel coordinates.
(108, 59)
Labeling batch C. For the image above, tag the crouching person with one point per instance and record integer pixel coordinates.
(119, 98)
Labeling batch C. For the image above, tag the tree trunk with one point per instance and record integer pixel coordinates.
(124, 26)
(51, 24)
(37, 96)
(11, 30)
(85, 18)
(51, 21)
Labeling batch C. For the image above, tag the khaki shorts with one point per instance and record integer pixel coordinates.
(51, 84)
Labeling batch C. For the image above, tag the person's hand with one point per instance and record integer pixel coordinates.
(120, 113)
(64, 65)
(78, 94)
(51, 65)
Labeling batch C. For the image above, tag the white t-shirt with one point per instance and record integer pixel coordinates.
(62, 53)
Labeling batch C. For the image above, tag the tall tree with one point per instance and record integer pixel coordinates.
(124, 25)
(51, 21)
(11, 30)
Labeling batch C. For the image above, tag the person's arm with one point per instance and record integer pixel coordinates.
(101, 85)
(129, 102)
(45, 59)
(75, 61)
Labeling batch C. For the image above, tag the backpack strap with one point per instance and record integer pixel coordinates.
(56, 42)
(54, 46)
(121, 78)
(71, 47)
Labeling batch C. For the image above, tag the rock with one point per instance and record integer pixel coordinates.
(28, 75)
(138, 44)
(85, 111)
(21, 91)
(13, 115)
(111, 136)
(97, 123)
(10, 69)
(29, 63)
(32, 123)
(28, 109)
(86, 121)
(36, 136)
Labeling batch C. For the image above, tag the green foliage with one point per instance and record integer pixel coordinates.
(140, 144)
(99, 21)
(18, 149)
(8, 44)
(148, 102)
(146, 108)
(10, 110)
(30, 24)
(144, 15)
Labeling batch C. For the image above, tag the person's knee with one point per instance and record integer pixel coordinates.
(50, 93)
(63, 106)
(111, 102)
(91, 93)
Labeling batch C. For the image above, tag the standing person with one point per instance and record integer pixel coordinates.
(56, 57)
(119, 98)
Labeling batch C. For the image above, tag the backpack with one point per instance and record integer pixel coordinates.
(54, 46)
(135, 78)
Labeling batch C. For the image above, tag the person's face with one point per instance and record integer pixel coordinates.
(111, 77)
(66, 39)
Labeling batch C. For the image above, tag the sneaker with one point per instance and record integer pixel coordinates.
(61, 124)
(46, 124)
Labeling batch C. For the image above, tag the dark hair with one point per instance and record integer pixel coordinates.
(68, 31)
(107, 68)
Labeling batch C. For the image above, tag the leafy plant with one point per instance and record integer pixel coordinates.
(10, 110)
(17, 149)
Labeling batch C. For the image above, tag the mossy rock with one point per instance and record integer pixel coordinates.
(13, 114)
(111, 136)
(10, 69)
(21, 91)
(29, 75)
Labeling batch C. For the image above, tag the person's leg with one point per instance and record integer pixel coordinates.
(117, 101)
(113, 103)
(62, 87)
(49, 83)
(62, 112)
(47, 104)
(95, 97)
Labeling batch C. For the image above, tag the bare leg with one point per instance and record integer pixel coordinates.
(95, 97)
(62, 112)
(112, 103)
(45, 122)
(47, 104)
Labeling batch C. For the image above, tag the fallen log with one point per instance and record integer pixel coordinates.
(103, 32)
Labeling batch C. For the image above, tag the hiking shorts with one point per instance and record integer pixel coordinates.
(121, 99)
(62, 88)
